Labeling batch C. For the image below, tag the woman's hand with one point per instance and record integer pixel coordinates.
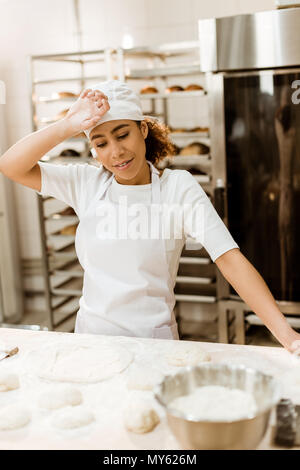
(87, 110)
(295, 346)
(251, 287)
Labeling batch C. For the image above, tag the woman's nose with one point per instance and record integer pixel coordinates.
(117, 149)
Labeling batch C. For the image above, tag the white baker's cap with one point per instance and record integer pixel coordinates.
(124, 103)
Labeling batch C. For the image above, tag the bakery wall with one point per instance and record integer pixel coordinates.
(29, 27)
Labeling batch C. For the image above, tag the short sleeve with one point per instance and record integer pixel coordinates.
(201, 221)
(73, 184)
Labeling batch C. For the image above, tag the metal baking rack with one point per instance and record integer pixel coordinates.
(195, 287)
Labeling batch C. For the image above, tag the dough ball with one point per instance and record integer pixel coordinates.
(54, 399)
(8, 381)
(140, 417)
(13, 417)
(182, 355)
(73, 418)
(143, 378)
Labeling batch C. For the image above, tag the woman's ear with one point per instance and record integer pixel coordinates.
(144, 129)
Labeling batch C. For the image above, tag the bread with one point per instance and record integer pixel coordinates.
(200, 129)
(193, 87)
(173, 88)
(179, 130)
(68, 211)
(196, 148)
(69, 230)
(148, 89)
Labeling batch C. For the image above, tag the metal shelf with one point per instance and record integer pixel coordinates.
(66, 253)
(190, 260)
(70, 219)
(202, 179)
(161, 51)
(73, 269)
(195, 298)
(173, 71)
(60, 236)
(143, 96)
(69, 79)
(71, 287)
(173, 95)
(193, 280)
(44, 99)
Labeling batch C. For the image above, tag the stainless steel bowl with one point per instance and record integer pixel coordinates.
(243, 434)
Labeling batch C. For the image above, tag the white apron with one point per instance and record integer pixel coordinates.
(127, 289)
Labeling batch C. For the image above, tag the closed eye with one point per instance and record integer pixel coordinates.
(119, 137)
(123, 136)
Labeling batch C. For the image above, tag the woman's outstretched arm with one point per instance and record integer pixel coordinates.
(251, 287)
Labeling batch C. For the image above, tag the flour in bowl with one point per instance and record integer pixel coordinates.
(216, 403)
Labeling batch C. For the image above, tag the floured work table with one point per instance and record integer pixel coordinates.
(107, 398)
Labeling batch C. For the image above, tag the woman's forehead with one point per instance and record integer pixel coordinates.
(110, 126)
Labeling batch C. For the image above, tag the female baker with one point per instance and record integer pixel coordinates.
(129, 272)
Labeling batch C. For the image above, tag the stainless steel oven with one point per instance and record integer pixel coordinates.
(253, 65)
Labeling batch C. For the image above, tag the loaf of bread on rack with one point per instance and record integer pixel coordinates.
(67, 211)
(148, 89)
(196, 148)
(179, 130)
(172, 89)
(200, 129)
(69, 230)
(193, 87)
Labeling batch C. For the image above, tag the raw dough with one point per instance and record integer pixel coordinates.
(13, 417)
(54, 399)
(80, 364)
(216, 403)
(186, 355)
(140, 378)
(73, 418)
(140, 416)
(8, 381)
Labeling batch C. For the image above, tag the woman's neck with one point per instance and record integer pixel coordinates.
(142, 177)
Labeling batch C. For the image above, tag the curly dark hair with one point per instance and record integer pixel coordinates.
(158, 143)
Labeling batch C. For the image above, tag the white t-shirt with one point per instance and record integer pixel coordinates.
(78, 184)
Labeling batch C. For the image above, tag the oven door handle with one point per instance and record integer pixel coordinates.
(219, 198)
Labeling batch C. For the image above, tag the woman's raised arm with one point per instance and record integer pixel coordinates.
(19, 162)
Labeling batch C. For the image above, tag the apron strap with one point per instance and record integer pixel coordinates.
(155, 185)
